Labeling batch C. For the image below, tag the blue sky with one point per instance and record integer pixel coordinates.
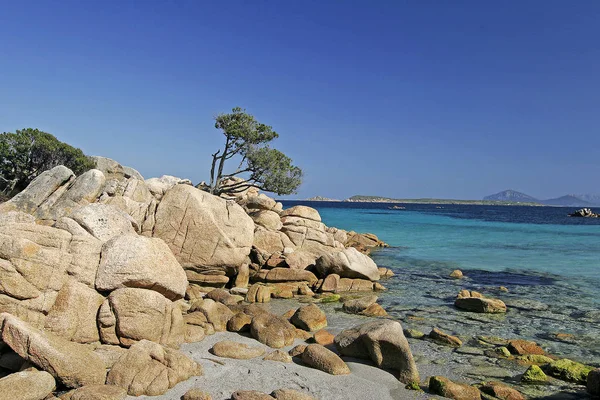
(452, 99)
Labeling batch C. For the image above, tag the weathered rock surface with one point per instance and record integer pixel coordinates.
(309, 318)
(348, 263)
(104, 221)
(240, 351)
(382, 342)
(27, 385)
(216, 313)
(140, 262)
(272, 330)
(320, 357)
(458, 391)
(159, 186)
(43, 191)
(72, 364)
(302, 212)
(130, 314)
(96, 392)
(73, 315)
(202, 229)
(267, 219)
(285, 275)
(150, 369)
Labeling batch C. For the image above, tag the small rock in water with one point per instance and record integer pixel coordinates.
(457, 274)
(523, 347)
(413, 334)
(459, 391)
(534, 374)
(443, 338)
(501, 391)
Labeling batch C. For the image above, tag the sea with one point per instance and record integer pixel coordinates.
(548, 261)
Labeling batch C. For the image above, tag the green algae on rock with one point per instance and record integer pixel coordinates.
(570, 371)
(534, 374)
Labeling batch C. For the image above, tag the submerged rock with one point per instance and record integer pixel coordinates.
(444, 338)
(473, 301)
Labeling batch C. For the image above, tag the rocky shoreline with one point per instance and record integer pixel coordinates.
(114, 286)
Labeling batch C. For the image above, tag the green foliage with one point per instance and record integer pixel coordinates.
(29, 152)
(261, 166)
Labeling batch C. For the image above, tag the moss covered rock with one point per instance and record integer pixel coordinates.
(570, 371)
(459, 391)
(534, 374)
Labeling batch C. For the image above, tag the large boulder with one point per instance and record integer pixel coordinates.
(302, 212)
(27, 385)
(73, 315)
(104, 221)
(72, 364)
(43, 191)
(96, 392)
(130, 314)
(34, 260)
(322, 358)
(150, 369)
(272, 330)
(240, 351)
(285, 275)
(267, 219)
(216, 313)
(203, 230)
(140, 262)
(159, 186)
(382, 342)
(309, 318)
(348, 263)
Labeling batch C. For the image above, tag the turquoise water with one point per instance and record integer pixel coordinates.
(549, 262)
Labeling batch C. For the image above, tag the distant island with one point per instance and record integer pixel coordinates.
(570, 200)
(321, 198)
(505, 198)
(378, 199)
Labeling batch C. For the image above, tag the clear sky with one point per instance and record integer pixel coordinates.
(451, 99)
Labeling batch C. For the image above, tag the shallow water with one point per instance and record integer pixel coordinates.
(549, 262)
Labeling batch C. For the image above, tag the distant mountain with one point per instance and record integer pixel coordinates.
(590, 198)
(512, 195)
(567, 201)
(571, 200)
